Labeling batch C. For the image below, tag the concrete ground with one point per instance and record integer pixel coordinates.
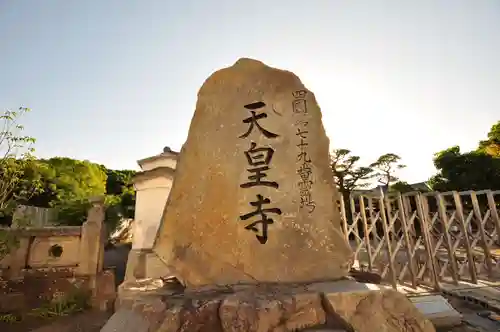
(474, 318)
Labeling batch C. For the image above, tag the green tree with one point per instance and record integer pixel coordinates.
(385, 168)
(15, 159)
(347, 174)
(402, 187)
(68, 184)
(62, 183)
(491, 146)
(475, 170)
(120, 199)
(40, 172)
(118, 180)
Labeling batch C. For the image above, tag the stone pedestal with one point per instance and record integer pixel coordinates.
(155, 305)
(143, 263)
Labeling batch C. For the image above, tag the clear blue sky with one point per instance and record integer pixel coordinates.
(113, 81)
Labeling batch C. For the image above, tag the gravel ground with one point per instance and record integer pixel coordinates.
(90, 321)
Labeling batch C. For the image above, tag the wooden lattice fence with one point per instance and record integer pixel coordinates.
(425, 238)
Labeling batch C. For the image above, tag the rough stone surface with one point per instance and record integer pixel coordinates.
(204, 237)
(276, 307)
(124, 321)
(385, 311)
(152, 309)
(249, 311)
(144, 264)
(130, 291)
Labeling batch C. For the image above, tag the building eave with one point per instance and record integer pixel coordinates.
(165, 171)
(165, 155)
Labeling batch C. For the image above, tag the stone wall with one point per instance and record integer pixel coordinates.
(34, 216)
(48, 262)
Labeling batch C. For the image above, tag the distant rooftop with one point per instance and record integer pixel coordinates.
(419, 186)
(167, 149)
(167, 152)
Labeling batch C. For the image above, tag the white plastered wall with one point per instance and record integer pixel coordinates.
(152, 195)
(152, 191)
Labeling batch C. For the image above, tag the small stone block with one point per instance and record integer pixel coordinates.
(126, 321)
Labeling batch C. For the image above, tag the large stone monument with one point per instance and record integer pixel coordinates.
(250, 228)
(253, 196)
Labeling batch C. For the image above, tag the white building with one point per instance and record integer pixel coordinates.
(152, 185)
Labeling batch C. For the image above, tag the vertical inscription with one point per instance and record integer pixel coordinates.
(259, 161)
(264, 221)
(304, 169)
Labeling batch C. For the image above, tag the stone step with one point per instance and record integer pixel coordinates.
(437, 309)
(434, 307)
(125, 320)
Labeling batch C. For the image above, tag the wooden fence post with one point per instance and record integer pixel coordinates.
(482, 233)
(344, 217)
(385, 225)
(494, 214)
(365, 230)
(407, 239)
(438, 237)
(407, 207)
(355, 229)
(373, 222)
(461, 218)
(422, 210)
(443, 217)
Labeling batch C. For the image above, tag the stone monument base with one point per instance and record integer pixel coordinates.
(345, 305)
(144, 263)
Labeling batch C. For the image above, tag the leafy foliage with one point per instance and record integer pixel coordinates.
(347, 174)
(120, 201)
(474, 170)
(9, 318)
(62, 183)
(8, 242)
(118, 181)
(491, 146)
(68, 184)
(15, 158)
(402, 187)
(65, 306)
(73, 180)
(385, 167)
